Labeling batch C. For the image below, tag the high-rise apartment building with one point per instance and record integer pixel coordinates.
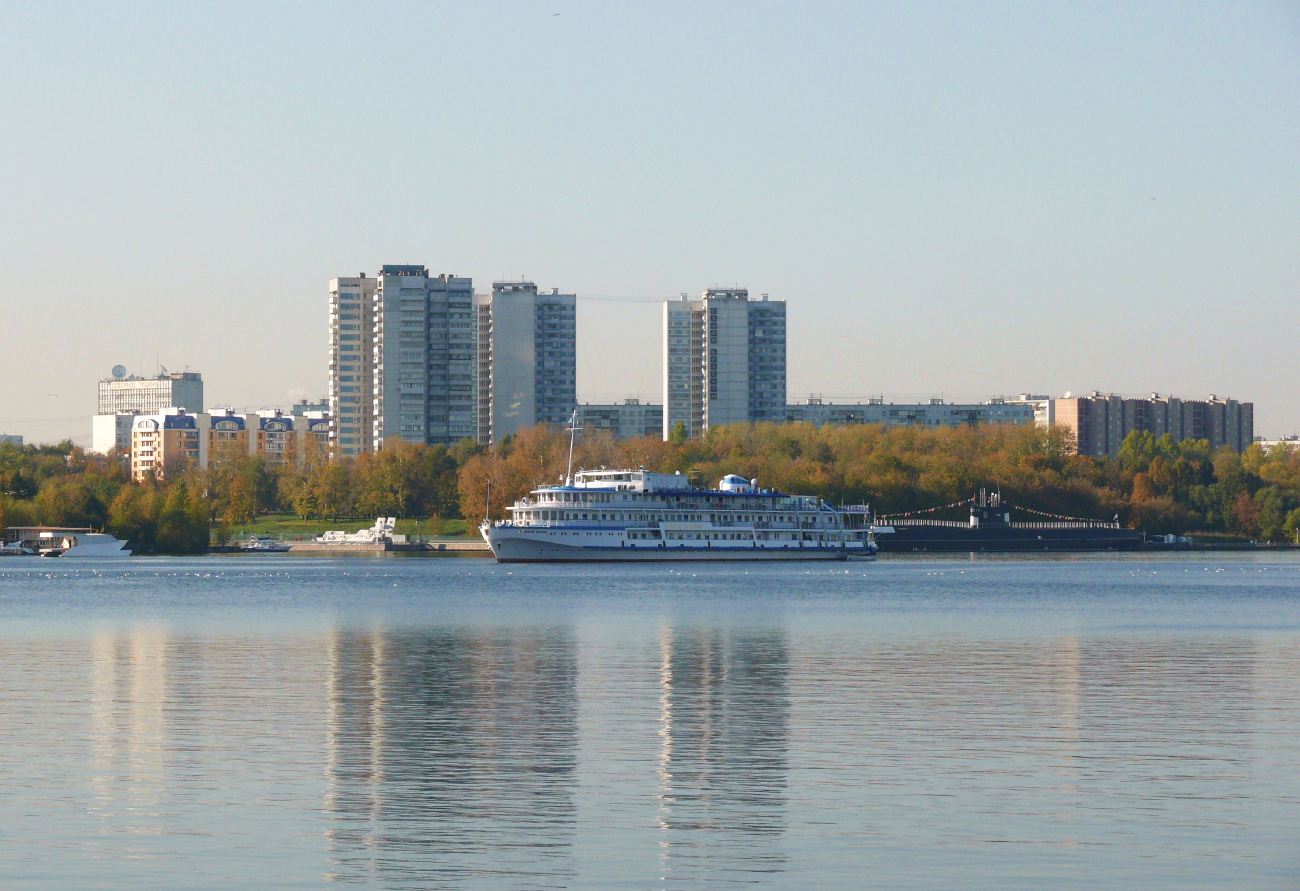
(526, 368)
(683, 345)
(1100, 423)
(423, 357)
(401, 359)
(351, 377)
(724, 360)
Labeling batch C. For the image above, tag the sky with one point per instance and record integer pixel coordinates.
(956, 200)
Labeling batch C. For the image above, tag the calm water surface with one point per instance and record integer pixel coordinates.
(449, 723)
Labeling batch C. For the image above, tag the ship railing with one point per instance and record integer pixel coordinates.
(960, 524)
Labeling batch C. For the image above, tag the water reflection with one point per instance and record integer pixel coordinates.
(642, 749)
(127, 736)
(722, 764)
(450, 757)
(1052, 744)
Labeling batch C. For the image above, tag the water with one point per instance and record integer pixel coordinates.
(450, 723)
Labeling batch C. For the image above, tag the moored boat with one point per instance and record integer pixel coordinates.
(990, 527)
(257, 545)
(84, 544)
(640, 516)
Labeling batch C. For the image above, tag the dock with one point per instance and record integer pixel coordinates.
(447, 548)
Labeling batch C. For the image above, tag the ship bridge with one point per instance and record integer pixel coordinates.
(630, 480)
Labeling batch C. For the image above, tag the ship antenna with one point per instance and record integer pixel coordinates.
(573, 432)
(487, 505)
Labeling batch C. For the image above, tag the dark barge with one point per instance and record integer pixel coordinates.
(991, 528)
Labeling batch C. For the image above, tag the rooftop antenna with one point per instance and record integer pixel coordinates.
(573, 433)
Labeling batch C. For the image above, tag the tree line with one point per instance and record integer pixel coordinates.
(1155, 485)
(62, 485)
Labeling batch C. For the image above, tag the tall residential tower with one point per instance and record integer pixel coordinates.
(423, 357)
(527, 359)
(724, 360)
(401, 359)
(351, 342)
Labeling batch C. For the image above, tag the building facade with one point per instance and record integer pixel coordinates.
(108, 432)
(1044, 407)
(272, 438)
(151, 395)
(164, 444)
(631, 419)
(351, 365)
(11, 439)
(223, 434)
(683, 366)
(1101, 422)
(423, 357)
(303, 407)
(934, 413)
(526, 371)
(313, 429)
(169, 442)
(724, 360)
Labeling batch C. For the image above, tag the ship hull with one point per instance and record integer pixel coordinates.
(512, 547)
(962, 540)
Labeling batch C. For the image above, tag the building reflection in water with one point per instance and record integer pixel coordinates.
(723, 729)
(1052, 743)
(713, 756)
(451, 757)
(127, 736)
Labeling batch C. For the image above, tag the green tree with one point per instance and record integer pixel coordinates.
(133, 516)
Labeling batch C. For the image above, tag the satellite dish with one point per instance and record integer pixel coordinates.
(119, 372)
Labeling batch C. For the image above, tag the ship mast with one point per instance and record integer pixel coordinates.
(573, 432)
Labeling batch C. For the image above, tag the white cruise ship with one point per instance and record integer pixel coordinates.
(636, 515)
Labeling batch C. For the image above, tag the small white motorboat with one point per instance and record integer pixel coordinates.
(82, 544)
(257, 545)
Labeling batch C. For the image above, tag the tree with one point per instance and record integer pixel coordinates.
(334, 491)
(182, 522)
(133, 516)
(677, 435)
(1292, 525)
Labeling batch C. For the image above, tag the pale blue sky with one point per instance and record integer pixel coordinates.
(956, 200)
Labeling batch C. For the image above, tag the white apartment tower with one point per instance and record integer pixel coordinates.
(423, 357)
(351, 380)
(527, 359)
(724, 360)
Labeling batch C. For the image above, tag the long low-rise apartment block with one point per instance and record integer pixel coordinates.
(174, 440)
(932, 413)
(1101, 422)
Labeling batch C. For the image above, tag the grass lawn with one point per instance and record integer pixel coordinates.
(291, 526)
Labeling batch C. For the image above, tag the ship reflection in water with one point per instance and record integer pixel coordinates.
(451, 756)
(621, 749)
(722, 765)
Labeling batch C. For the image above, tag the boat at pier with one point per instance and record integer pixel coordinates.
(640, 516)
(264, 545)
(62, 541)
(990, 528)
